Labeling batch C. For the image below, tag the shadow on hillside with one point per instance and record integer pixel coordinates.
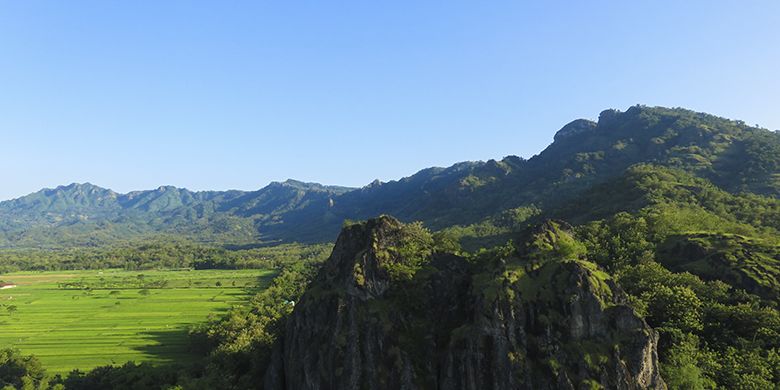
(168, 347)
(262, 283)
(176, 346)
(473, 244)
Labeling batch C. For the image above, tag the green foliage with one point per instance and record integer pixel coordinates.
(752, 264)
(681, 368)
(675, 307)
(750, 369)
(681, 207)
(548, 281)
(708, 330)
(568, 248)
(156, 254)
(87, 215)
(674, 202)
(492, 231)
(415, 245)
(446, 242)
(21, 372)
(128, 376)
(617, 242)
(239, 344)
(72, 319)
(736, 157)
(551, 242)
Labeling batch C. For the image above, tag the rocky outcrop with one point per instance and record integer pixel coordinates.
(575, 127)
(378, 316)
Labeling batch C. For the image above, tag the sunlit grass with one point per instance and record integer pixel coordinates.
(106, 323)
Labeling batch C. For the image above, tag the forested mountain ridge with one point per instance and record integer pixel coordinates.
(88, 215)
(639, 251)
(733, 156)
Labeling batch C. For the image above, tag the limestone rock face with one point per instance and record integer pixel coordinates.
(497, 323)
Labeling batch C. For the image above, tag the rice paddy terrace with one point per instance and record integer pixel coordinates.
(83, 319)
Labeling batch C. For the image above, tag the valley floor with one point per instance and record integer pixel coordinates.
(83, 319)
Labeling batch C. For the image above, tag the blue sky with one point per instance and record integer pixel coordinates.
(220, 95)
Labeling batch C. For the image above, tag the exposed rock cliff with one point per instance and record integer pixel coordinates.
(385, 313)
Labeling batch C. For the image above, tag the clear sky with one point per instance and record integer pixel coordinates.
(230, 94)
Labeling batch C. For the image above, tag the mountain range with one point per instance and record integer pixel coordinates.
(639, 251)
(585, 155)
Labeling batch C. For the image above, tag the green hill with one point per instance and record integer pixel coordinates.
(731, 155)
(638, 251)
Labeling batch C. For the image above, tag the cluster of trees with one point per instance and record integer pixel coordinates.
(139, 281)
(25, 372)
(22, 372)
(157, 254)
(236, 345)
(713, 334)
(700, 263)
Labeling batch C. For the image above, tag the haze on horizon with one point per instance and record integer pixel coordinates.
(132, 96)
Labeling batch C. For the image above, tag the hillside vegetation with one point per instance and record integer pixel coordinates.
(638, 251)
(731, 155)
(84, 319)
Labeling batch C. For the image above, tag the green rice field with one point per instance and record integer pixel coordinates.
(83, 319)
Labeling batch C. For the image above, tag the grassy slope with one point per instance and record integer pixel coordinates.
(69, 328)
(748, 263)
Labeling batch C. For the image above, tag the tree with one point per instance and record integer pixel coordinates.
(618, 242)
(683, 362)
(675, 307)
(20, 372)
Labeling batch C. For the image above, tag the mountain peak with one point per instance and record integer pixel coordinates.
(735, 157)
(78, 190)
(86, 186)
(374, 184)
(307, 186)
(575, 127)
